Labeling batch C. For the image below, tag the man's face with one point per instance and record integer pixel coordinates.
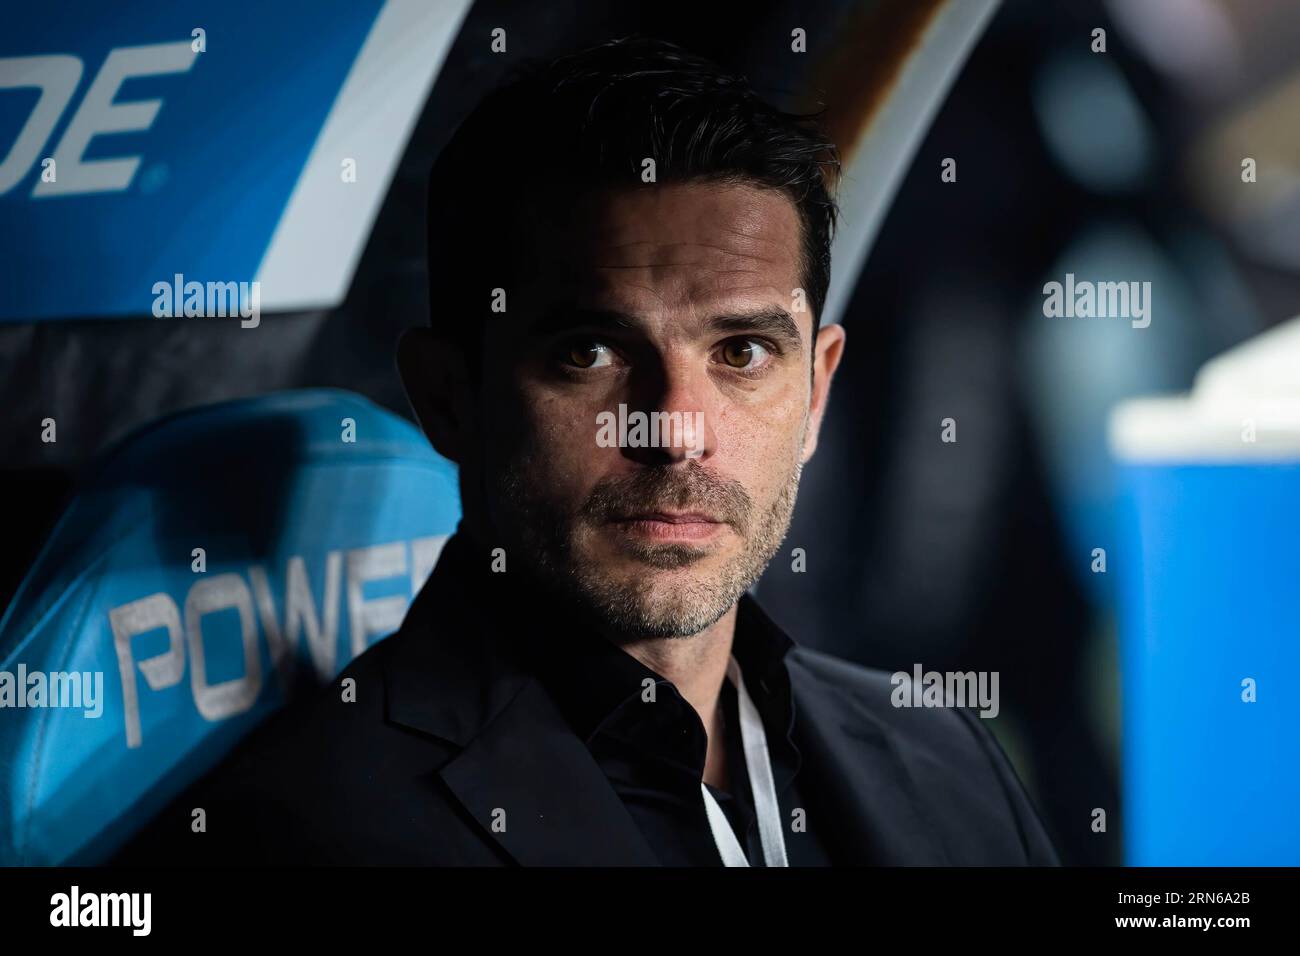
(673, 299)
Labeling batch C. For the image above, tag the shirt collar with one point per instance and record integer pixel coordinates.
(593, 676)
(592, 679)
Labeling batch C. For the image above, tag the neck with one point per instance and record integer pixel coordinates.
(697, 666)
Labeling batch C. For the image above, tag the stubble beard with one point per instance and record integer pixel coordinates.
(642, 603)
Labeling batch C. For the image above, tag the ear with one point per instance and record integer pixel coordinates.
(435, 378)
(826, 359)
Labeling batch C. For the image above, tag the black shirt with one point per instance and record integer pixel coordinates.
(651, 744)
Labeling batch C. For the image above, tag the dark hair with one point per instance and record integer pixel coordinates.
(586, 121)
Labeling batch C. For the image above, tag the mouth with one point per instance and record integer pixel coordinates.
(670, 526)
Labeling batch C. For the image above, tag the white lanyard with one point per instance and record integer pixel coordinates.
(761, 785)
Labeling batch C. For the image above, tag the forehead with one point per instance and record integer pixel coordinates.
(665, 248)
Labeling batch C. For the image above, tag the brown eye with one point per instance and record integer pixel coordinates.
(738, 353)
(745, 355)
(587, 355)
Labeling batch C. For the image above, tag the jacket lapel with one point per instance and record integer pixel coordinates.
(554, 805)
(449, 673)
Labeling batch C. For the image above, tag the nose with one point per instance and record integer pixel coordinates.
(669, 420)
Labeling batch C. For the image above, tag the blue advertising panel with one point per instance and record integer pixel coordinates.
(145, 141)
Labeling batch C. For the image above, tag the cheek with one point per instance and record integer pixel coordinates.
(759, 445)
(548, 441)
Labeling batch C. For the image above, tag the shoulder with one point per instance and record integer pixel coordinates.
(886, 697)
(337, 743)
(877, 700)
(953, 761)
(326, 779)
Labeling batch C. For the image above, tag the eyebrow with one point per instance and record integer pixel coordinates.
(771, 321)
(561, 319)
(774, 322)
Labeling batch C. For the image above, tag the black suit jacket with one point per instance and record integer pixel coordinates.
(451, 735)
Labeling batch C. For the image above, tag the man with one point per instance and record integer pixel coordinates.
(629, 253)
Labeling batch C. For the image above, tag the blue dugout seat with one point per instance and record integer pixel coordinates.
(215, 561)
